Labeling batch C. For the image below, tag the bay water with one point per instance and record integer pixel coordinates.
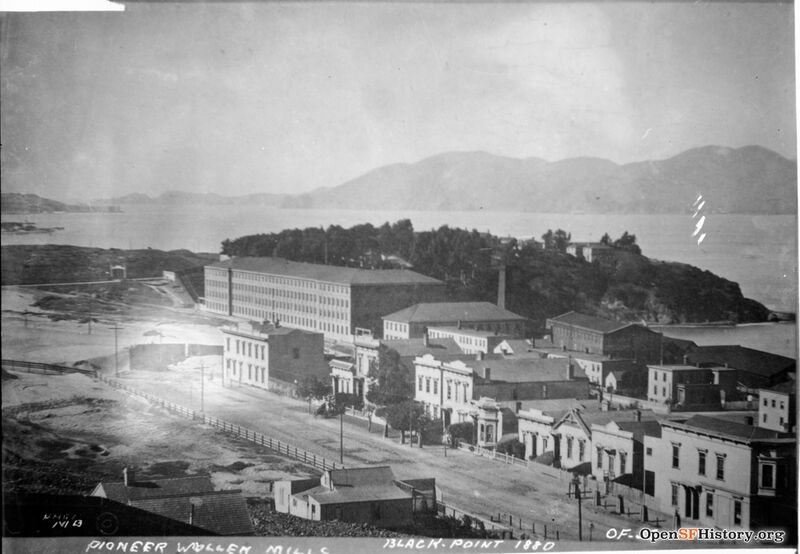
(757, 251)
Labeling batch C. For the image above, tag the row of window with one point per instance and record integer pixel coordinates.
(245, 347)
(623, 460)
(395, 326)
(260, 371)
(701, 461)
(737, 504)
(290, 281)
(451, 388)
(766, 404)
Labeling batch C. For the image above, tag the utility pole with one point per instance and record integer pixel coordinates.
(577, 483)
(202, 385)
(116, 350)
(341, 436)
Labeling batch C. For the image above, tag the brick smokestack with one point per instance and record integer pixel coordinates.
(501, 288)
(128, 476)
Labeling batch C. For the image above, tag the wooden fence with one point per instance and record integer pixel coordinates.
(40, 367)
(318, 462)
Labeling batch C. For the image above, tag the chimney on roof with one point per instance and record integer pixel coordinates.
(128, 476)
(459, 324)
(637, 415)
(685, 359)
(479, 355)
(570, 369)
(277, 322)
(748, 420)
(518, 407)
(487, 373)
(425, 337)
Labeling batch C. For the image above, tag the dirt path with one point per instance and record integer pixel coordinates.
(478, 485)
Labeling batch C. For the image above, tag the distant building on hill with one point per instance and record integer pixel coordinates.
(591, 251)
(415, 320)
(271, 357)
(327, 299)
(370, 495)
(191, 500)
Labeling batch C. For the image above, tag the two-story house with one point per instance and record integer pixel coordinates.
(714, 472)
(271, 356)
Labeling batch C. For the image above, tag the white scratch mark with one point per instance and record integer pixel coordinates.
(647, 132)
(700, 207)
(701, 239)
(699, 198)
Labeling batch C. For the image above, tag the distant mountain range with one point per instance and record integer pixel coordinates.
(745, 180)
(16, 203)
(751, 179)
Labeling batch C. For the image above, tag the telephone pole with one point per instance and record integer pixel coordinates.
(577, 484)
(116, 350)
(202, 385)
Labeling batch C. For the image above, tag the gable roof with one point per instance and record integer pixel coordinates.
(525, 370)
(326, 273)
(416, 347)
(750, 360)
(139, 490)
(650, 427)
(787, 387)
(723, 428)
(594, 416)
(220, 512)
(362, 484)
(516, 347)
(584, 321)
(361, 476)
(432, 312)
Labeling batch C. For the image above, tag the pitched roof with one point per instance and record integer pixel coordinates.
(740, 357)
(595, 416)
(324, 495)
(220, 512)
(789, 387)
(326, 273)
(725, 428)
(466, 331)
(358, 485)
(155, 488)
(416, 347)
(361, 476)
(517, 347)
(524, 370)
(651, 428)
(452, 311)
(576, 319)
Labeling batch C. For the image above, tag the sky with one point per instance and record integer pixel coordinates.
(240, 98)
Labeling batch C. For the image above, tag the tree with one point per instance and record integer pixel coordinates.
(405, 416)
(461, 432)
(606, 239)
(312, 387)
(627, 242)
(558, 240)
(390, 379)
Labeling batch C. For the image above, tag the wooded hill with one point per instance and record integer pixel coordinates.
(541, 282)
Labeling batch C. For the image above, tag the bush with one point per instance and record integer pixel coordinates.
(461, 432)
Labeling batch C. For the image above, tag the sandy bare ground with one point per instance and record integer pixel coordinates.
(81, 427)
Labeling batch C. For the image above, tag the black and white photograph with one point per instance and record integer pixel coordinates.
(323, 277)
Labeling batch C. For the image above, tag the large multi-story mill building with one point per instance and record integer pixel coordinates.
(328, 299)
